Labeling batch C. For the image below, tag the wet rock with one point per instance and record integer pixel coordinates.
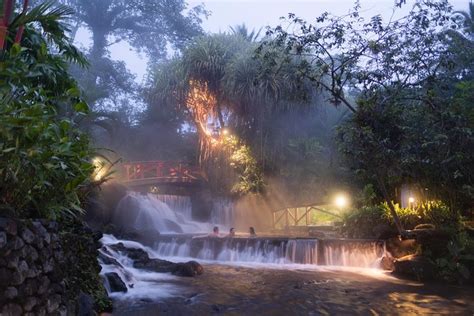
(401, 248)
(386, 263)
(115, 282)
(156, 265)
(27, 235)
(106, 259)
(183, 269)
(12, 310)
(414, 267)
(188, 269)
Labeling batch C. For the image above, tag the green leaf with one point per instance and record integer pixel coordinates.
(81, 107)
(15, 50)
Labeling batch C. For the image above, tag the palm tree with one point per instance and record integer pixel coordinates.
(243, 31)
(468, 20)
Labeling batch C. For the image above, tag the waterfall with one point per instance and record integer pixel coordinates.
(164, 219)
(147, 213)
(167, 214)
(177, 203)
(222, 212)
(363, 254)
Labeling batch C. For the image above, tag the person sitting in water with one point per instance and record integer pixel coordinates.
(252, 232)
(231, 232)
(215, 232)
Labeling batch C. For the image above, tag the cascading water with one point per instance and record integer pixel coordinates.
(168, 214)
(364, 254)
(174, 237)
(137, 212)
(177, 203)
(222, 212)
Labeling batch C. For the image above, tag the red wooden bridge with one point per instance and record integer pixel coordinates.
(150, 173)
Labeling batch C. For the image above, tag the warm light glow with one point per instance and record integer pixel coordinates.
(225, 131)
(341, 201)
(411, 200)
(99, 171)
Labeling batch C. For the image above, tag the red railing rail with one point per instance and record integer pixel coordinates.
(171, 170)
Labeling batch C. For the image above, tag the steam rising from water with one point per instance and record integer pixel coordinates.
(172, 215)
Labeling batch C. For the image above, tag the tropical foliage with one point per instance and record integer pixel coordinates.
(44, 158)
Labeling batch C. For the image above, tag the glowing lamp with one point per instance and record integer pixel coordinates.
(225, 131)
(411, 200)
(341, 201)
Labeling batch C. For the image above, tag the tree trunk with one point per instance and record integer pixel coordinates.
(391, 207)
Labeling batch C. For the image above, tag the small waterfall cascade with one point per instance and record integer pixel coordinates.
(363, 254)
(139, 283)
(165, 220)
(178, 203)
(147, 213)
(222, 212)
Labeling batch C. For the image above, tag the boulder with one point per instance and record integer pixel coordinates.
(188, 269)
(414, 267)
(401, 248)
(386, 263)
(115, 282)
(156, 265)
(433, 240)
(106, 259)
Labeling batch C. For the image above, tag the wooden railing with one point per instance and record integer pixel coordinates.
(296, 216)
(161, 171)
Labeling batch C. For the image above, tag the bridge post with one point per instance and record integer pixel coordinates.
(307, 213)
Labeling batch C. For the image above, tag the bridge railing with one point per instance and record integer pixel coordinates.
(165, 170)
(297, 216)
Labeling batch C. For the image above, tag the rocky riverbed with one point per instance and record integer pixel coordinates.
(232, 290)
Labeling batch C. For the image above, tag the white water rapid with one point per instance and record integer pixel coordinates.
(178, 240)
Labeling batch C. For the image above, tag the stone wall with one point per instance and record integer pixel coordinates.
(31, 281)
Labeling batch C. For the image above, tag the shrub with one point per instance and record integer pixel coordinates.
(44, 158)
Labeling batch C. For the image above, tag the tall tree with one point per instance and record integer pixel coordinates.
(385, 62)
